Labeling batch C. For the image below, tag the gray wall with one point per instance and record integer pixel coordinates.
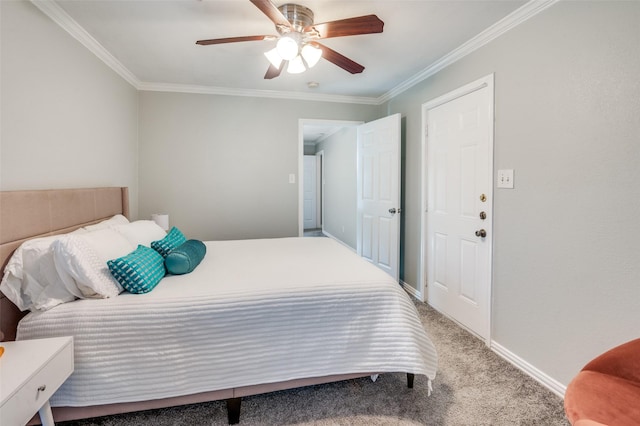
(566, 258)
(340, 188)
(220, 165)
(67, 119)
(309, 150)
(566, 270)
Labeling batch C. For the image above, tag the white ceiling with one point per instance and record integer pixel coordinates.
(318, 130)
(154, 41)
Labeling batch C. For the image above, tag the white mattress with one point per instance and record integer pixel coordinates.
(254, 311)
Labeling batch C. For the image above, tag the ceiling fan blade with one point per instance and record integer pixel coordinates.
(234, 39)
(274, 72)
(369, 24)
(272, 12)
(339, 59)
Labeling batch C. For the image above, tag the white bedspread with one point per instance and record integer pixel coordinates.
(254, 311)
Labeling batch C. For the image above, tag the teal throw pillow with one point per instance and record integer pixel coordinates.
(173, 239)
(140, 271)
(184, 258)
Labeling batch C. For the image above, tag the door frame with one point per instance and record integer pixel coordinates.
(320, 188)
(481, 83)
(311, 160)
(301, 123)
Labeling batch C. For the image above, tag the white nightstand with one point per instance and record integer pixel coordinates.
(30, 372)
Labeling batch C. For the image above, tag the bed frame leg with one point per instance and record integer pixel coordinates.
(410, 377)
(233, 410)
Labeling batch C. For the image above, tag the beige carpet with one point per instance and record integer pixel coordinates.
(473, 387)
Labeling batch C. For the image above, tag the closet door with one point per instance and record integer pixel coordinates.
(310, 192)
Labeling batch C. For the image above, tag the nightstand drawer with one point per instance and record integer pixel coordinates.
(39, 387)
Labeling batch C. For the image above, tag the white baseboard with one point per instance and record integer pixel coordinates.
(539, 376)
(412, 291)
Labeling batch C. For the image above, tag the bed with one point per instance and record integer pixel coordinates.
(255, 316)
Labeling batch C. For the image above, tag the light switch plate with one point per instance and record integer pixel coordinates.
(505, 178)
(292, 178)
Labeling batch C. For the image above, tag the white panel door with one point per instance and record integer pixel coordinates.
(459, 208)
(310, 192)
(378, 222)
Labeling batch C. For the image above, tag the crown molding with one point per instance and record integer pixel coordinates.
(211, 90)
(59, 16)
(62, 18)
(510, 21)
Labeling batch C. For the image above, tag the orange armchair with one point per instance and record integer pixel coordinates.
(607, 389)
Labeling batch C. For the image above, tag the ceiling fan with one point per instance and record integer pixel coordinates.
(297, 47)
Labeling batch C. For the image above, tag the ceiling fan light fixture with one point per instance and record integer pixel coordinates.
(296, 66)
(287, 47)
(297, 45)
(274, 57)
(311, 55)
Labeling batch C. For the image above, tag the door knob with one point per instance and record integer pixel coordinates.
(481, 233)
(392, 210)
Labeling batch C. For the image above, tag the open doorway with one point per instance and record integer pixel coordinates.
(360, 200)
(332, 144)
(312, 198)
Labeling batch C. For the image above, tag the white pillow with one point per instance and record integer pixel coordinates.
(141, 232)
(81, 261)
(109, 223)
(30, 278)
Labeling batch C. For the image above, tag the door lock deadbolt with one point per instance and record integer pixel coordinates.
(483, 215)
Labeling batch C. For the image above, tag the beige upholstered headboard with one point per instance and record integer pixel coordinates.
(29, 214)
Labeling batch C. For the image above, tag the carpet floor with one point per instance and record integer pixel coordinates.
(474, 386)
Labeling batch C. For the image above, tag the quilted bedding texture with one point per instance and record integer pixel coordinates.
(253, 312)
